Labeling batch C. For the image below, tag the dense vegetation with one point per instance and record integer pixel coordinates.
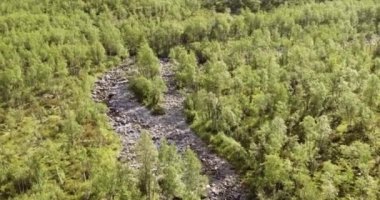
(287, 90)
(147, 82)
(54, 140)
(292, 96)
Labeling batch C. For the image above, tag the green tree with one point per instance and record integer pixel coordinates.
(98, 53)
(195, 183)
(197, 28)
(150, 92)
(133, 35)
(349, 106)
(273, 136)
(246, 81)
(111, 39)
(170, 171)
(147, 157)
(147, 63)
(10, 81)
(221, 28)
(186, 67)
(216, 78)
(276, 172)
(371, 91)
(115, 184)
(166, 35)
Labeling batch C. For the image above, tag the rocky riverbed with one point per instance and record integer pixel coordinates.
(128, 117)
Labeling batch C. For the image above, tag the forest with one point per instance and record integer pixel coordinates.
(288, 91)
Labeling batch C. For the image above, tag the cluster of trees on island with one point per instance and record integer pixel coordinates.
(288, 91)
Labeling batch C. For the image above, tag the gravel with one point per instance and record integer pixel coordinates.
(128, 117)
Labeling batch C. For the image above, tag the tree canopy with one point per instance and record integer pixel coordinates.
(288, 91)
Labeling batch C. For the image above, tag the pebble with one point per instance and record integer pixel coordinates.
(128, 118)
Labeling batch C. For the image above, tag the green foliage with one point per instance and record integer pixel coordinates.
(150, 92)
(148, 85)
(292, 92)
(147, 63)
(111, 39)
(286, 90)
(166, 35)
(231, 149)
(186, 67)
(174, 175)
(133, 35)
(147, 156)
(97, 52)
(195, 184)
(115, 184)
(170, 170)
